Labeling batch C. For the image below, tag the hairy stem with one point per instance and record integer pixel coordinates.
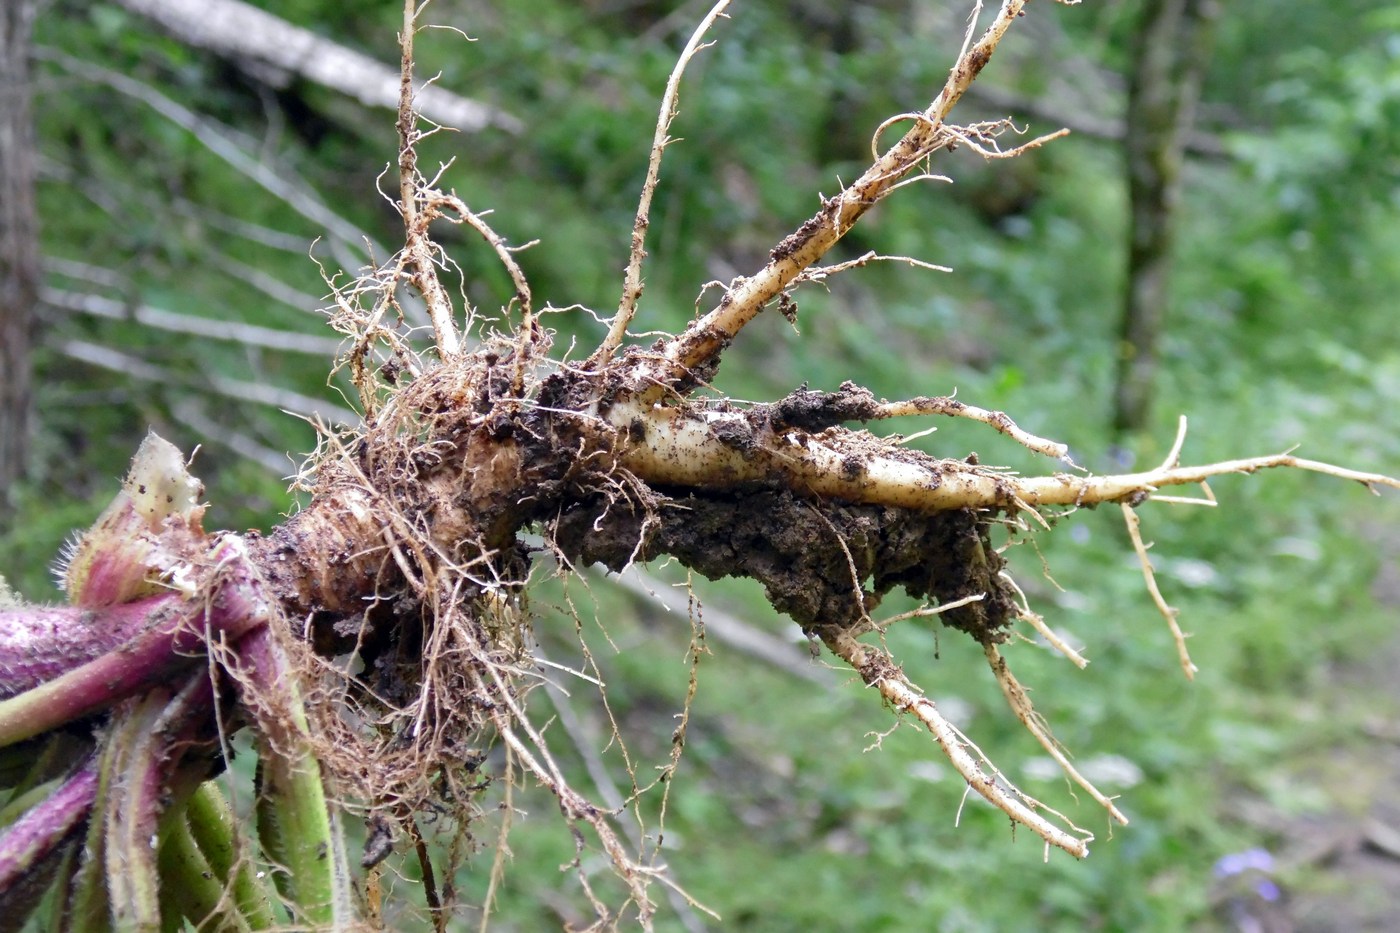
(295, 823)
(232, 602)
(227, 851)
(46, 825)
(191, 888)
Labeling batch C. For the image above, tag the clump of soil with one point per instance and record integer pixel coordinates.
(825, 564)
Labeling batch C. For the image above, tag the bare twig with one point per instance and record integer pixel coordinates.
(249, 335)
(242, 391)
(279, 180)
(262, 42)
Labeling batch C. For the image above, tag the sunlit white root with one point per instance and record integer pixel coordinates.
(682, 447)
(1020, 703)
(880, 671)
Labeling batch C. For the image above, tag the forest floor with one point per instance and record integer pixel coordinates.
(1337, 859)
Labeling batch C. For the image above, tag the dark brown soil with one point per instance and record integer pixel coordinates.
(824, 565)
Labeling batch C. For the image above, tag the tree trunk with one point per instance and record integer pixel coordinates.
(19, 246)
(1170, 57)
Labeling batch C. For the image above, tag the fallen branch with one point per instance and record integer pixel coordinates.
(275, 50)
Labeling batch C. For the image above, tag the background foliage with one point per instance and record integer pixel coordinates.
(1282, 333)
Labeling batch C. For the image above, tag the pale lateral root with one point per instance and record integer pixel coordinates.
(1149, 576)
(880, 671)
(680, 447)
(419, 252)
(1020, 703)
(695, 447)
(746, 297)
(670, 105)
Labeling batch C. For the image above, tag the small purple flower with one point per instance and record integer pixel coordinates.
(1255, 865)
(1239, 862)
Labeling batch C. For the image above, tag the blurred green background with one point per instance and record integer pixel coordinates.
(1282, 331)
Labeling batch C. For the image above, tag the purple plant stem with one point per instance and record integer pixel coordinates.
(232, 602)
(39, 643)
(44, 827)
(154, 736)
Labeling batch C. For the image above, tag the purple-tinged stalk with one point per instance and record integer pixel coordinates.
(139, 545)
(40, 643)
(152, 774)
(41, 830)
(230, 603)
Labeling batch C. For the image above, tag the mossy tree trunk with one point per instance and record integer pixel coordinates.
(1169, 62)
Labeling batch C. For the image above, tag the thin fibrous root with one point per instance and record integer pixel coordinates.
(419, 250)
(925, 611)
(1020, 703)
(879, 670)
(1173, 459)
(504, 252)
(821, 273)
(981, 138)
(632, 283)
(509, 717)
(1037, 622)
(1169, 613)
(999, 420)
